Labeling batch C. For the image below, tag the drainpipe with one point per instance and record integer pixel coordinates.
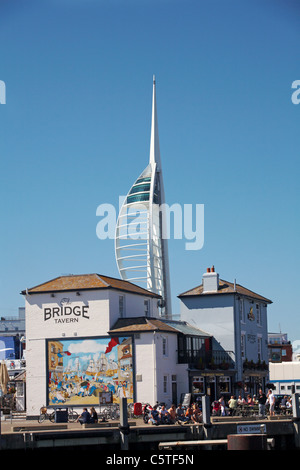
(154, 368)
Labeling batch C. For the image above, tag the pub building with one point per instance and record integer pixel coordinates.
(236, 319)
(92, 335)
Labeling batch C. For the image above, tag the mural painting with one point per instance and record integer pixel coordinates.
(81, 370)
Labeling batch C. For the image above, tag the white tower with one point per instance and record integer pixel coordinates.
(141, 248)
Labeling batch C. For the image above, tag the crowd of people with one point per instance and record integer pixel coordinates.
(159, 414)
(265, 402)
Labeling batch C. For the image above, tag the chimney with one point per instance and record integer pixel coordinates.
(210, 280)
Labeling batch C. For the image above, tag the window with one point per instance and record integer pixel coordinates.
(138, 198)
(198, 385)
(121, 306)
(164, 346)
(242, 310)
(140, 188)
(165, 384)
(259, 340)
(224, 384)
(258, 314)
(243, 345)
(146, 307)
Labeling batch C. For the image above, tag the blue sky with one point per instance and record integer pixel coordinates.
(75, 133)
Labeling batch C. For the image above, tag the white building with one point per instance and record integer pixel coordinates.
(236, 317)
(285, 376)
(91, 335)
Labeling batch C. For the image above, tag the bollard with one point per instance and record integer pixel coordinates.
(124, 427)
(247, 442)
(207, 427)
(206, 409)
(296, 419)
(295, 405)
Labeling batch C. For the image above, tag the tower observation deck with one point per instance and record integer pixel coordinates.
(140, 245)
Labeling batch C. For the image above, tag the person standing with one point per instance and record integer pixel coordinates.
(271, 400)
(222, 405)
(261, 403)
(232, 404)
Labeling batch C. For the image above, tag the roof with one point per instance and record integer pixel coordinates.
(149, 324)
(225, 287)
(186, 328)
(74, 282)
(140, 324)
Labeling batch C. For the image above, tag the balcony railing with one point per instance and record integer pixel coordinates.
(212, 360)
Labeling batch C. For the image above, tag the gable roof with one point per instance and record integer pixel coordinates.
(225, 287)
(150, 324)
(74, 282)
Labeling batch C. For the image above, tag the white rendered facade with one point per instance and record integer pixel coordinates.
(141, 249)
(93, 312)
(285, 376)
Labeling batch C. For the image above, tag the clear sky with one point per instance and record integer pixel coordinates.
(75, 133)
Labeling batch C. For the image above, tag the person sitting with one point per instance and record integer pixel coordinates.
(163, 414)
(216, 411)
(188, 414)
(155, 418)
(283, 403)
(94, 416)
(289, 405)
(197, 415)
(172, 414)
(241, 400)
(84, 417)
(250, 401)
(180, 413)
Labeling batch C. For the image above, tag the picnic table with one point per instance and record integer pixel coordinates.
(247, 410)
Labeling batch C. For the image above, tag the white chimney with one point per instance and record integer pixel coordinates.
(210, 280)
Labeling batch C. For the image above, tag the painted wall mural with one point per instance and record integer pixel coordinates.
(80, 370)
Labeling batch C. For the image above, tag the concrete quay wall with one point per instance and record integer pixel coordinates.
(147, 437)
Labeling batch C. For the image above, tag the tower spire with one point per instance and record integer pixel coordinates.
(142, 256)
(154, 140)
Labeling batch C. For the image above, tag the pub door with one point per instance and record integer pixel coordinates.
(211, 388)
(174, 393)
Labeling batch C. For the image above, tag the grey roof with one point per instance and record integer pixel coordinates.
(186, 328)
(147, 324)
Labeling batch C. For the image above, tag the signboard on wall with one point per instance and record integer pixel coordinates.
(105, 398)
(80, 370)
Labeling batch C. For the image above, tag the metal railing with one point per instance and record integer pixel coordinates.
(217, 359)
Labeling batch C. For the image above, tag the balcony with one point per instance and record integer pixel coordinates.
(207, 360)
